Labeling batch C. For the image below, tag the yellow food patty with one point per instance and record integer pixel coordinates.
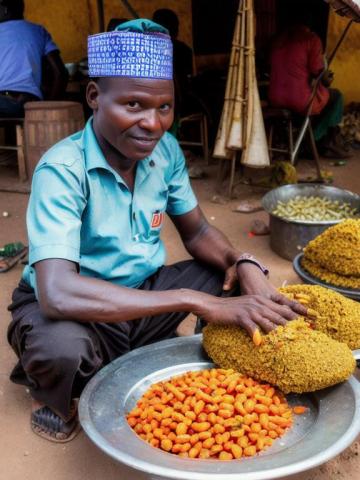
(295, 358)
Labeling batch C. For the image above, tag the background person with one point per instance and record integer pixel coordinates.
(26, 52)
(296, 60)
(114, 22)
(183, 61)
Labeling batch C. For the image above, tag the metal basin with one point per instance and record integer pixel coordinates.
(289, 237)
(331, 423)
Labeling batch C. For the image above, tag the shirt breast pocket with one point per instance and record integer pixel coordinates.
(155, 216)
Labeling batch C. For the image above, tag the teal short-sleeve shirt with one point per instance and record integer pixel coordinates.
(81, 210)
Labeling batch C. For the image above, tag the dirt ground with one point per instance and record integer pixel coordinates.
(25, 456)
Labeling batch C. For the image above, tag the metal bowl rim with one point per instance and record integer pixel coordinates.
(308, 185)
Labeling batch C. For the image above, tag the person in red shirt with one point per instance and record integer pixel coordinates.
(296, 60)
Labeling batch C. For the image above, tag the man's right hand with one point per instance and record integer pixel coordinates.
(327, 78)
(250, 312)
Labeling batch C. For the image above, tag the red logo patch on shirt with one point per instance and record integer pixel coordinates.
(157, 219)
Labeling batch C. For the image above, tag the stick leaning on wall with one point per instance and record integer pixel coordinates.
(235, 138)
(220, 149)
(242, 126)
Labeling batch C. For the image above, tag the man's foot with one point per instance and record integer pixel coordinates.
(47, 424)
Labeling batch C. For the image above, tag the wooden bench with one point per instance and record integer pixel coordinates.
(203, 142)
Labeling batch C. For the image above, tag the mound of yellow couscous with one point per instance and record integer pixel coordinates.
(330, 312)
(334, 255)
(295, 358)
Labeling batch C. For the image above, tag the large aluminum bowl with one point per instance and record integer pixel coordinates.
(331, 423)
(289, 237)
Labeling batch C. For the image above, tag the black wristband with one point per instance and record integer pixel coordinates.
(247, 257)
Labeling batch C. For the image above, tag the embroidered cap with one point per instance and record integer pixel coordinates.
(138, 48)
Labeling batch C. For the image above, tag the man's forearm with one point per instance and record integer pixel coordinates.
(212, 246)
(75, 297)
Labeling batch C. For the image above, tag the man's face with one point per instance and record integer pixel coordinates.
(132, 114)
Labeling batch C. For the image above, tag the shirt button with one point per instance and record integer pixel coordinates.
(152, 163)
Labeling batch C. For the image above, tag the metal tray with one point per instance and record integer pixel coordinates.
(308, 278)
(330, 425)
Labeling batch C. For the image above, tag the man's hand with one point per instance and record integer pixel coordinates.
(252, 281)
(327, 78)
(248, 311)
(260, 305)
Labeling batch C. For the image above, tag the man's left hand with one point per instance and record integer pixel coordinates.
(252, 281)
(327, 78)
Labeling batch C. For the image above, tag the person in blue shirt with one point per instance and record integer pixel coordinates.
(97, 285)
(30, 62)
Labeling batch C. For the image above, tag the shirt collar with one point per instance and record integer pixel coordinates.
(94, 158)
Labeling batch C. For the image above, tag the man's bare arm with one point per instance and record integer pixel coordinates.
(65, 294)
(203, 241)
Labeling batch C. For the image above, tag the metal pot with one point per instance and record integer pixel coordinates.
(289, 237)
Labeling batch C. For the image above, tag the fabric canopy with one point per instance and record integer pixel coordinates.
(347, 8)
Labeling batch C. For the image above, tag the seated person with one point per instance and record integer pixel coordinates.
(183, 57)
(96, 285)
(25, 50)
(296, 61)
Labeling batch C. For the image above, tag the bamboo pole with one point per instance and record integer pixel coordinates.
(255, 152)
(249, 72)
(235, 139)
(339, 42)
(222, 133)
(232, 95)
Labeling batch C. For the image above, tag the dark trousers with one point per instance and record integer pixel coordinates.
(13, 106)
(58, 358)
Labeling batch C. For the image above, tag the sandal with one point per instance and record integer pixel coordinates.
(47, 424)
(10, 255)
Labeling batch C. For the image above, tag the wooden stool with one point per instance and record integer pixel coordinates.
(46, 123)
(201, 120)
(18, 123)
(276, 117)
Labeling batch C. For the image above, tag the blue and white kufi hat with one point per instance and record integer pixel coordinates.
(138, 48)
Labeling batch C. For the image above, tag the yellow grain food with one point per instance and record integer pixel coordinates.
(336, 315)
(294, 357)
(240, 416)
(334, 255)
(314, 209)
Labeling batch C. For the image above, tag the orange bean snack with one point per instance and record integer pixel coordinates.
(213, 413)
